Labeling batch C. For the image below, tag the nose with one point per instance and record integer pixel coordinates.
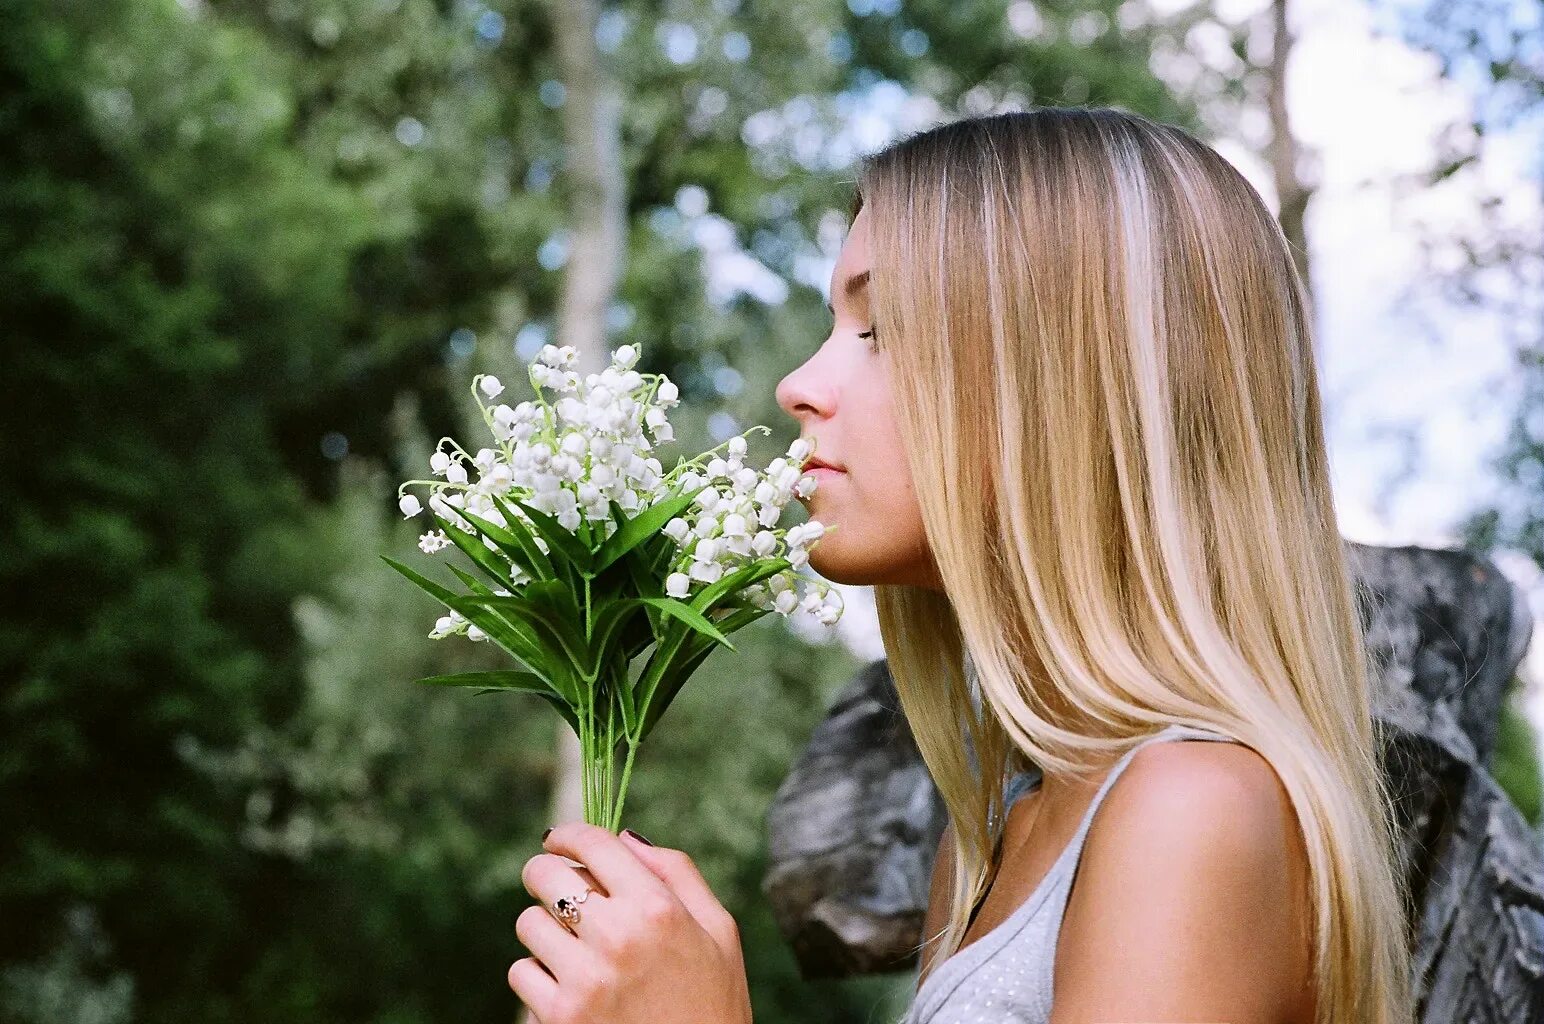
(806, 392)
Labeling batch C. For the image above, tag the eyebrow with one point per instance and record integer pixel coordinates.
(855, 284)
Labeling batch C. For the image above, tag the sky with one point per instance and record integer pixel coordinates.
(1396, 360)
(1418, 391)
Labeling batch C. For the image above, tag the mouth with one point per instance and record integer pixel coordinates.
(812, 465)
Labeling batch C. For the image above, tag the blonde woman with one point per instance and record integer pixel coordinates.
(1071, 433)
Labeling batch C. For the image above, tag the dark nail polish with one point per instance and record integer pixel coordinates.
(638, 837)
(545, 834)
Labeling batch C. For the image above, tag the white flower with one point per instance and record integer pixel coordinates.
(490, 386)
(737, 447)
(456, 473)
(779, 583)
(800, 450)
(786, 602)
(473, 633)
(814, 530)
(806, 485)
(706, 550)
(678, 584)
(433, 541)
(409, 506)
(764, 542)
(439, 462)
(708, 572)
(625, 357)
(798, 557)
(734, 525)
(442, 627)
(677, 529)
(668, 394)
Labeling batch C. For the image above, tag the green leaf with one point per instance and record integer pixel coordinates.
(494, 567)
(477, 586)
(507, 681)
(558, 539)
(641, 527)
(708, 598)
(508, 542)
(563, 645)
(674, 675)
(510, 636)
(687, 614)
(522, 536)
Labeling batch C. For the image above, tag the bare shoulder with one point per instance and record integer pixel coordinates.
(1193, 880)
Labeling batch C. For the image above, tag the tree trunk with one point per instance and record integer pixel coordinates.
(597, 202)
(1284, 152)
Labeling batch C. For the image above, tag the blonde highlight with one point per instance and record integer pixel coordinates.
(1104, 379)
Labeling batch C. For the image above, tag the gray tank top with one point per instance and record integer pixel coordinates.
(1005, 975)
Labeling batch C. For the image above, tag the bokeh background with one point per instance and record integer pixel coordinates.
(252, 252)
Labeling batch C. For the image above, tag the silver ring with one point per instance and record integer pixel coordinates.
(566, 909)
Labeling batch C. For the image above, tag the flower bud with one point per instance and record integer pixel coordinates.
(409, 506)
(490, 386)
(737, 447)
(439, 462)
(668, 394)
(625, 357)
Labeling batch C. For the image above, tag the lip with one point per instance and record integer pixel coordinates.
(812, 463)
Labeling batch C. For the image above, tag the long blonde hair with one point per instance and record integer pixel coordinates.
(1103, 367)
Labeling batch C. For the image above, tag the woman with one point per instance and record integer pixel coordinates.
(1073, 425)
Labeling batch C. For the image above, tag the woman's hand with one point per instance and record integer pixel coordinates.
(652, 944)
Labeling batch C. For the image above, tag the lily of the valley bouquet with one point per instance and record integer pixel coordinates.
(588, 554)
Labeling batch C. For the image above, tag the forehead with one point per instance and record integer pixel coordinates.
(854, 256)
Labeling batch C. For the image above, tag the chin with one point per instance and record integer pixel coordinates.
(832, 566)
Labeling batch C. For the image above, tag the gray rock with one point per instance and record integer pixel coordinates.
(855, 826)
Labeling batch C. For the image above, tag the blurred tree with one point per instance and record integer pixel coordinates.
(265, 245)
(1492, 50)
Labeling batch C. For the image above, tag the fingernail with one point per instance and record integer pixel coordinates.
(636, 836)
(545, 834)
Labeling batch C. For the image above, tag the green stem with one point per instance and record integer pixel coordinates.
(611, 748)
(627, 771)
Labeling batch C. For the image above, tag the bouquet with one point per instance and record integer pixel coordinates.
(589, 555)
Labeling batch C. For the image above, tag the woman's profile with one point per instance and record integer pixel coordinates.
(1072, 428)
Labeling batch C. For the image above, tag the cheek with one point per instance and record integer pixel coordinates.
(880, 539)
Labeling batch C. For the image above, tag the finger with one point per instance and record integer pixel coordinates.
(559, 951)
(548, 878)
(613, 862)
(679, 873)
(534, 987)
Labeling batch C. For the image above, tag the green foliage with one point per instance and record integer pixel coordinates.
(1515, 763)
(235, 236)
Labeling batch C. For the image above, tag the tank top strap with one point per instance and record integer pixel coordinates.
(1175, 731)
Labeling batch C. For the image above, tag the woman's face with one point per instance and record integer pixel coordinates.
(841, 398)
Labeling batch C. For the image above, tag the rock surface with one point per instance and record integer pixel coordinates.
(855, 826)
